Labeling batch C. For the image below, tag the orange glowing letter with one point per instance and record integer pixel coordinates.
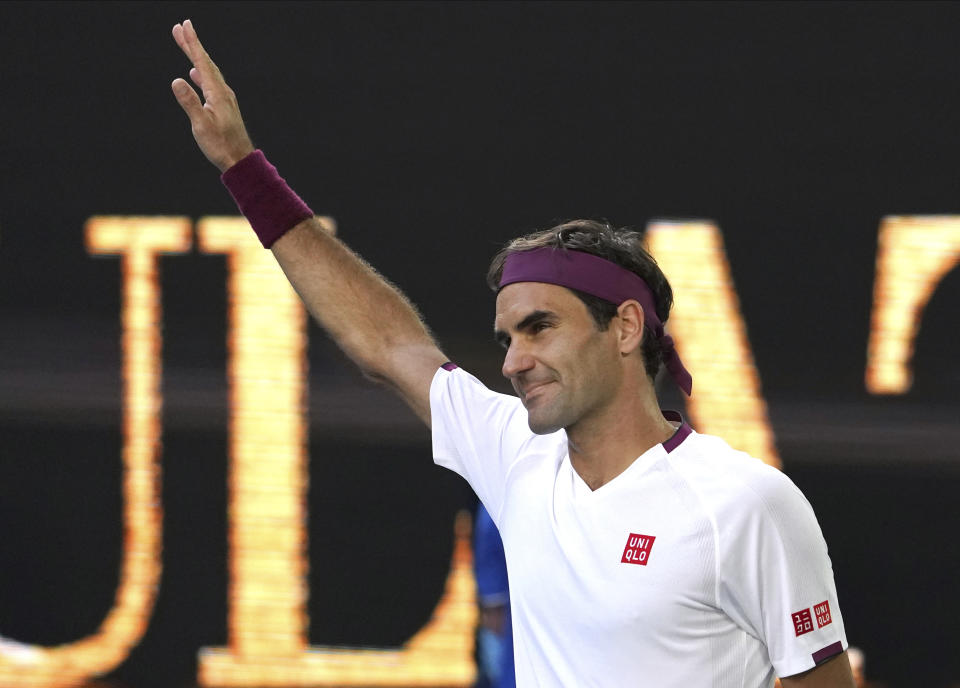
(138, 240)
(913, 256)
(711, 336)
(267, 619)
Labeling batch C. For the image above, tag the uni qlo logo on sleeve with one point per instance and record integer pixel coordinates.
(638, 549)
(822, 612)
(802, 622)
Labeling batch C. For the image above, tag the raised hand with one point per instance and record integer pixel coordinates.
(216, 122)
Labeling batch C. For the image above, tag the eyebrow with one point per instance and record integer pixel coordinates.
(503, 339)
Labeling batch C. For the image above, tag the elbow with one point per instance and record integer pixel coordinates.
(375, 375)
(377, 367)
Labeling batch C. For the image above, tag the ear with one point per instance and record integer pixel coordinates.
(631, 318)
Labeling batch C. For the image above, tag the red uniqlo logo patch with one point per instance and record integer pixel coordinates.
(802, 622)
(638, 549)
(822, 612)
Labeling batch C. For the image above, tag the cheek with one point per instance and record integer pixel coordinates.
(586, 360)
(597, 364)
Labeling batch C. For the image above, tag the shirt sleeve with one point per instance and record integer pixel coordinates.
(775, 576)
(477, 433)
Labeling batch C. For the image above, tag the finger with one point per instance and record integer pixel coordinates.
(188, 99)
(211, 80)
(201, 59)
(189, 43)
(180, 39)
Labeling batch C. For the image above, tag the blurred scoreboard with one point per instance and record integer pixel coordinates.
(267, 478)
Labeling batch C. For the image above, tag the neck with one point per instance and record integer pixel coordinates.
(601, 447)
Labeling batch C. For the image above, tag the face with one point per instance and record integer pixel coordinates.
(562, 367)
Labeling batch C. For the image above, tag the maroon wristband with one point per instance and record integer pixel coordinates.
(271, 207)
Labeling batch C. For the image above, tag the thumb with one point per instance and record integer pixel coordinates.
(188, 99)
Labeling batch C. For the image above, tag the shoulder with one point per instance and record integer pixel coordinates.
(732, 484)
(761, 520)
(458, 396)
(455, 392)
(452, 381)
(480, 433)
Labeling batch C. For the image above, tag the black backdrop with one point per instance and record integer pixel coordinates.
(434, 132)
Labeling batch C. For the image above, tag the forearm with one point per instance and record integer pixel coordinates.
(367, 317)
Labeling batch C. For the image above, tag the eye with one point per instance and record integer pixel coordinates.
(539, 327)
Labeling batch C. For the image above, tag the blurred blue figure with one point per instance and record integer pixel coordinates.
(495, 635)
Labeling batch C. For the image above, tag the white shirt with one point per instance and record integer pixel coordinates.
(697, 566)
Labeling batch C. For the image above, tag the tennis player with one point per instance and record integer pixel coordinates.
(639, 551)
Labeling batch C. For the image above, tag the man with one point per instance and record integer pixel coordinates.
(639, 552)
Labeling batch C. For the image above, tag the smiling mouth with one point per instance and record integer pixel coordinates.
(532, 390)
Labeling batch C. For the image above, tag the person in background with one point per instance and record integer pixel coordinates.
(858, 665)
(495, 635)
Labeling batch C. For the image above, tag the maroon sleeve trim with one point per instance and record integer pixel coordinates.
(821, 656)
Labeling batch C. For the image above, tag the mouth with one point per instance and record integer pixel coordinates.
(531, 391)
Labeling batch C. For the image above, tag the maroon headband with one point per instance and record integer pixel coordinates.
(598, 277)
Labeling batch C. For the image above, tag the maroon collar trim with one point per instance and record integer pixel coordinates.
(682, 433)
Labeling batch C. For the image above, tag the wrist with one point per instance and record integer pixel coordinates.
(232, 160)
(262, 195)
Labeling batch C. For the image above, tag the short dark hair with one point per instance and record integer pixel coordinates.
(621, 246)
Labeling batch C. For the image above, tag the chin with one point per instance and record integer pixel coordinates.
(542, 426)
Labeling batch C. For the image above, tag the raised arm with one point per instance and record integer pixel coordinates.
(374, 324)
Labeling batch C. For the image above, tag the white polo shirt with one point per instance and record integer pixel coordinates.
(697, 566)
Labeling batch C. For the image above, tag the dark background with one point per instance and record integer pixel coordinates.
(433, 133)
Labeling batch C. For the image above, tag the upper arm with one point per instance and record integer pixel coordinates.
(480, 434)
(833, 673)
(776, 578)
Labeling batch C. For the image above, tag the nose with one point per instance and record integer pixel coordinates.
(516, 361)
